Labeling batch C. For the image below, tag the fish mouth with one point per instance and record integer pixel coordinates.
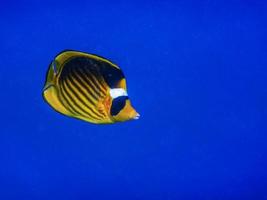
(137, 116)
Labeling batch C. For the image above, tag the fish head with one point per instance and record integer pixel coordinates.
(121, 108)
(127, 112)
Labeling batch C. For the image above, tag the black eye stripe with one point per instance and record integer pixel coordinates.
(117, 105)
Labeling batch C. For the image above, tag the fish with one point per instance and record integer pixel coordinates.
(88, 87)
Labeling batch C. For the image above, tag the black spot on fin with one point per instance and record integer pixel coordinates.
(112, 75)
(117, 105)
(54, 67)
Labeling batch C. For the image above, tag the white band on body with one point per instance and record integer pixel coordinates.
(117, 92)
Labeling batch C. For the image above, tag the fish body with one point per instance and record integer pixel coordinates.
(88, 87)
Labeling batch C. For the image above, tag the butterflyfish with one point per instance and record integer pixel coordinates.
(88, 87)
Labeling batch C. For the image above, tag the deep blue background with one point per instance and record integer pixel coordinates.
(196, 72)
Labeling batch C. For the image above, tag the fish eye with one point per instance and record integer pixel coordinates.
(118, 104)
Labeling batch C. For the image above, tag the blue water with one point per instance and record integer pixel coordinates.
(196, 73)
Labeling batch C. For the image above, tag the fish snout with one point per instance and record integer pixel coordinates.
(133, 114)
(137, 116)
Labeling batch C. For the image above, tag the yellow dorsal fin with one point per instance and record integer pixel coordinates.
(62, 57)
